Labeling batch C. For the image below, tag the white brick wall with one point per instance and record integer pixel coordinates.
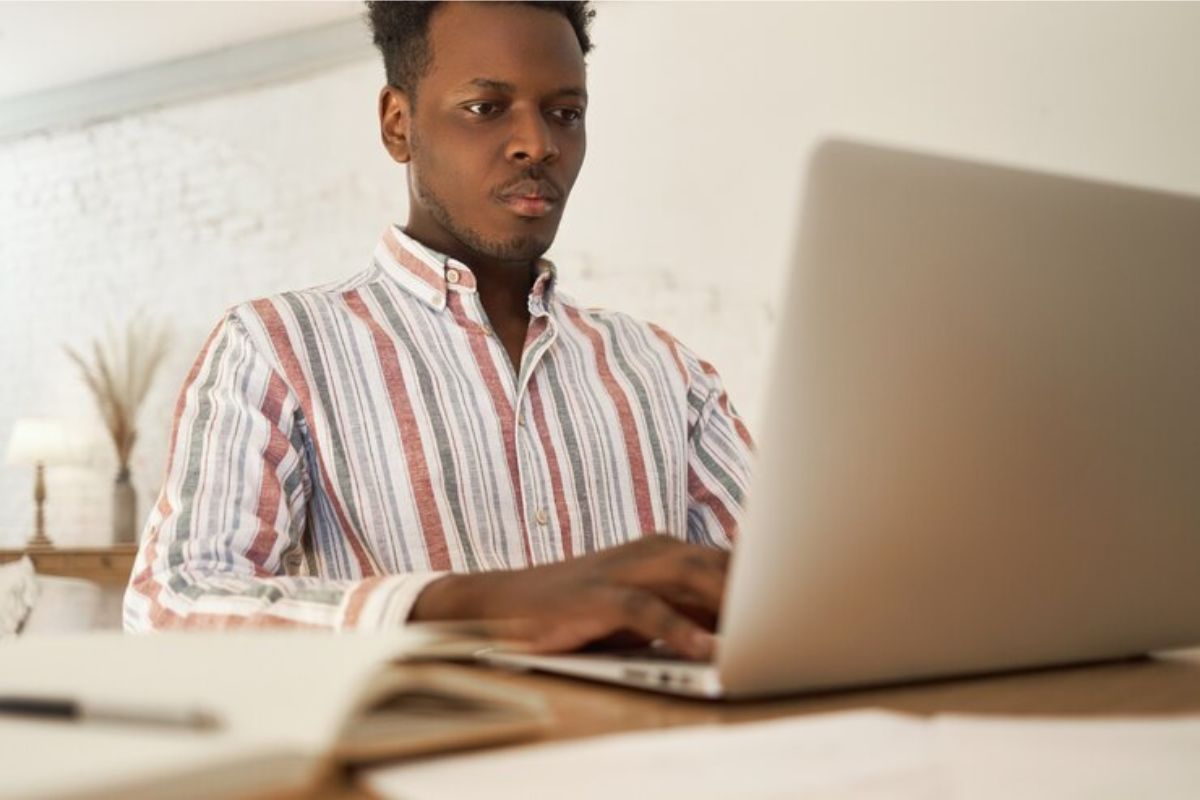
(178, 212)
(700, 118)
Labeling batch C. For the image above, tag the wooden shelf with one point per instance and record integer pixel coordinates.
(108, 566)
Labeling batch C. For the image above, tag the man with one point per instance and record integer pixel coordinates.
(445, 435)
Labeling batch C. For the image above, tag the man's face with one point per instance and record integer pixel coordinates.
(497, 138)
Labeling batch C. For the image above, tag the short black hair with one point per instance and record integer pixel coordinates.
(400, 30)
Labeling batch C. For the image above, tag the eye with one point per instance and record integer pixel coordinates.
(568, 115)
(482, 108)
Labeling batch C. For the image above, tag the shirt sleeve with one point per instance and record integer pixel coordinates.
(720, 455)
(225, 543)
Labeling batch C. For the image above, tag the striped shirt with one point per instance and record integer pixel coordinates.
(335, 449)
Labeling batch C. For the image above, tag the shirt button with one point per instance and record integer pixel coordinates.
(541, 516)
(487, 331)
(452, 275)
(521, 421)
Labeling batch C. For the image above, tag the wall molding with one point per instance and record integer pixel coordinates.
(228, 69)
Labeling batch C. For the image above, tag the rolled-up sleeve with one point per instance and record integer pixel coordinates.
(225, 543)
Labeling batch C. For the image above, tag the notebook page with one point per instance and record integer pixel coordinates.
(59, 760)
(285, 690)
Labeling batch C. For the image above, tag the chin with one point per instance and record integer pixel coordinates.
(519, 247)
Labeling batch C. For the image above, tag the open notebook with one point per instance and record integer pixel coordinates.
(287, 709)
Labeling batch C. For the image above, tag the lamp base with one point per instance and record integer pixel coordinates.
(39, 541)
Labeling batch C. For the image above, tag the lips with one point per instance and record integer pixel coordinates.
(529, 206)
(531, 198)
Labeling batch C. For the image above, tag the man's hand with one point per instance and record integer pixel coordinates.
(656, 588)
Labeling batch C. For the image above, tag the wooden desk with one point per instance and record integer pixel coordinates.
(107, 566)
(1168, 684)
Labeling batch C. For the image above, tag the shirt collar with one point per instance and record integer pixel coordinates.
(429, 275)
(542, 293)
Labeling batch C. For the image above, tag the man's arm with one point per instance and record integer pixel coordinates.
(657, 587)
(720, 456)
(229, 522)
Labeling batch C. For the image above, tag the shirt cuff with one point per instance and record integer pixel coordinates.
(383, 603)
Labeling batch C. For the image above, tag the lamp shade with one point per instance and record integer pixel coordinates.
(42, 441)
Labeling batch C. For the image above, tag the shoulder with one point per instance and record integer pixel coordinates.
(298, 312)
(651, 338)
(312, 300)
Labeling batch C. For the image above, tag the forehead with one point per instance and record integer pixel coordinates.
(528, 47)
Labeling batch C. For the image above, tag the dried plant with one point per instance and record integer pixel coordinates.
(119, 377)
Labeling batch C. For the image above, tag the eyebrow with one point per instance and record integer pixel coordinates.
(502, 86)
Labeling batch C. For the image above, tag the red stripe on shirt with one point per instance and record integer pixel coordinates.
(413, 264)
(702, 495)
(672, 346)
(629, 432)
(742, 431)
(410, 436)
(560, 503)
(270, 493)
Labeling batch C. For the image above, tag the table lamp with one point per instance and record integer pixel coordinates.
(41, 443)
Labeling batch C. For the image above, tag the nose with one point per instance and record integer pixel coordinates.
(532, 140)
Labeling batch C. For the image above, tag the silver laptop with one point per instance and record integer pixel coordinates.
(981, 449)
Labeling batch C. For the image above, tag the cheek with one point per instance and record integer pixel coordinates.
(573, 151)
(435, 178)
(455, 172)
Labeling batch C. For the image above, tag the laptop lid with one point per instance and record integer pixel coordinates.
(981, 448)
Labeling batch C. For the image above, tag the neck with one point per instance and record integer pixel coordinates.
(504, 290)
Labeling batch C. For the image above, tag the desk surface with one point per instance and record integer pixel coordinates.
(108, 566)
(1166, 684)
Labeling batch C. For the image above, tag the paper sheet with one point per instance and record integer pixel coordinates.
(857, 755)
(986, 758)
(853, 756)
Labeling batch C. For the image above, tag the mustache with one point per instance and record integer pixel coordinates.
(532, 181)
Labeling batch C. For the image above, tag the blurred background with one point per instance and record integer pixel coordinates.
(172, 159)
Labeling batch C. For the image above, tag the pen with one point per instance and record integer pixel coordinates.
(74, 710)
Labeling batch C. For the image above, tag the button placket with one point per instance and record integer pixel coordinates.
(532, 469)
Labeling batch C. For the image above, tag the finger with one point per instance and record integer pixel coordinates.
(650, 617)
(686, 601)
(621, 640)
(571, 631)
(616, 612)
(684, 573)
(702, 617)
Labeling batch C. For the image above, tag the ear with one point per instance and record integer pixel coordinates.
(395, 116)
